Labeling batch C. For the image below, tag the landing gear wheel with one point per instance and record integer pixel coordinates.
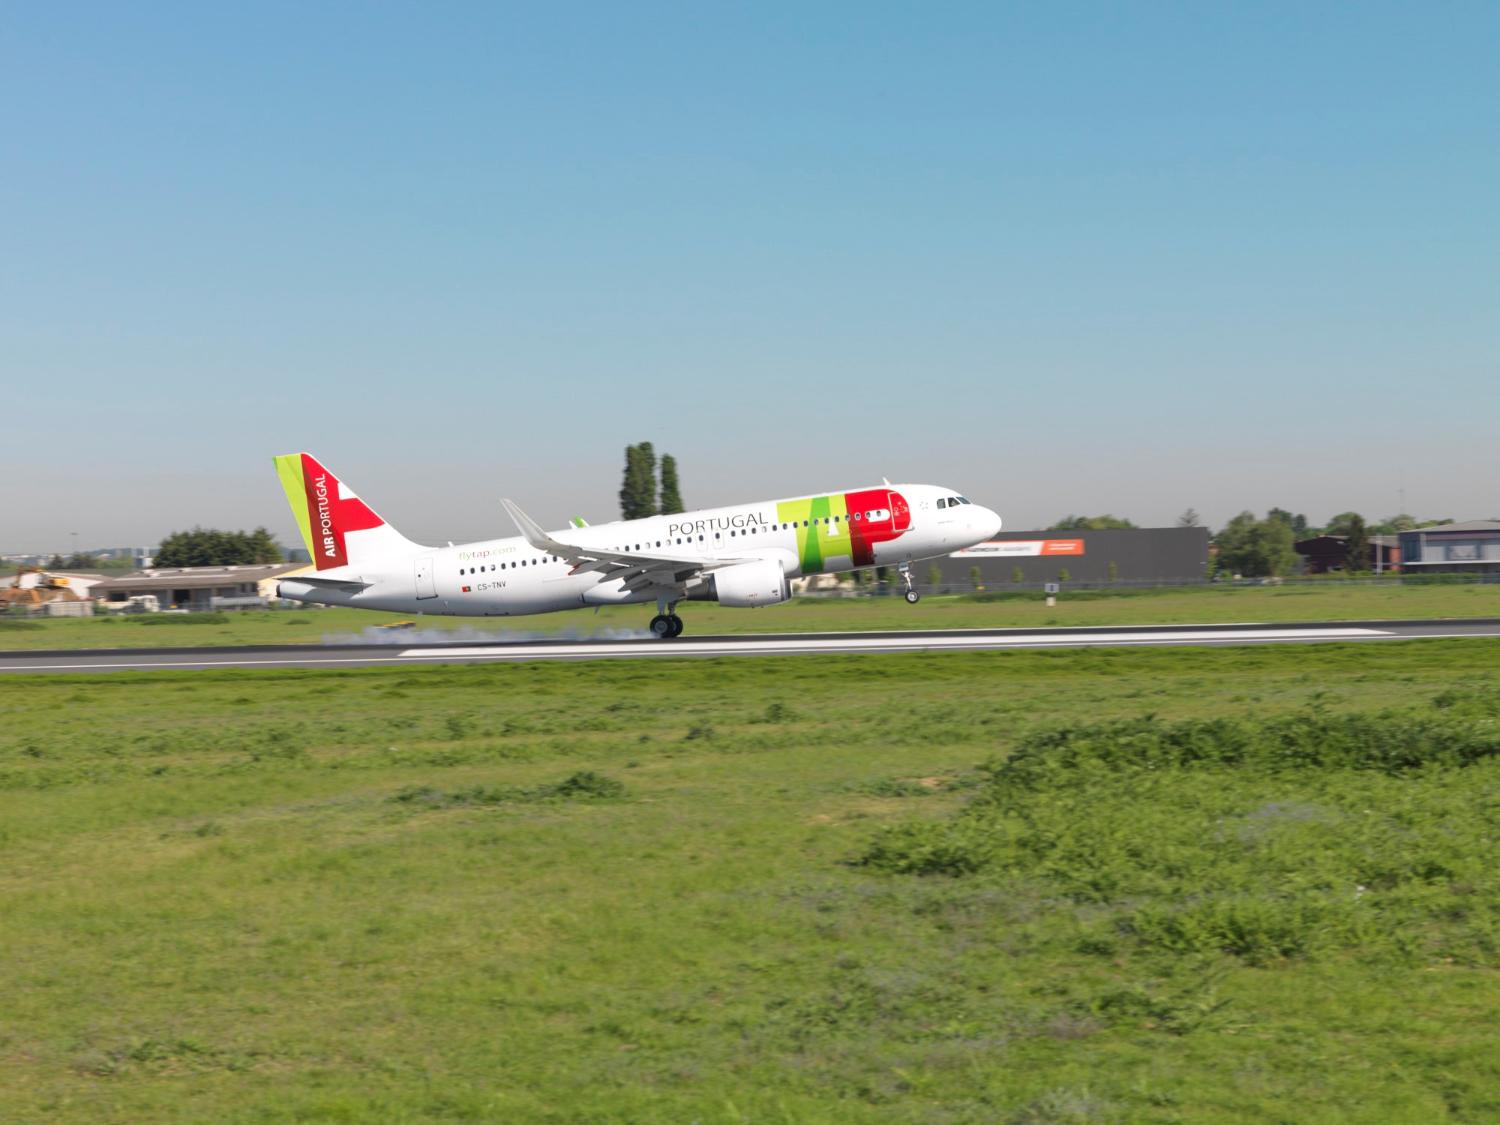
(912, 597)
(677, 625)
(662, 627)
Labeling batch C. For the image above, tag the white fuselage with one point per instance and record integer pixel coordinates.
(508, 577)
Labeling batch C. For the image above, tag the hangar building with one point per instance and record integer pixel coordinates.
(1453, 548)
(1327, 554)
(197, 587)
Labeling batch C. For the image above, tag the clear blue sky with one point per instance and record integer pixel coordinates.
(1066, 257)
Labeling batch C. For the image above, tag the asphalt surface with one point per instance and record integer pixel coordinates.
(949, 640)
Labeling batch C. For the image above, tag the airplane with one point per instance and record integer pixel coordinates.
(741, 555)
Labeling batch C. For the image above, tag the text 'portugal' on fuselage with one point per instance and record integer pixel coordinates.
(742, 555)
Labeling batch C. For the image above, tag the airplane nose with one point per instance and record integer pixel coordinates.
(988, 522)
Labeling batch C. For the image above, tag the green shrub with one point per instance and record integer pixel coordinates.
(954, 847)
(1391, 742)
(1260, 929)
(1260, 839)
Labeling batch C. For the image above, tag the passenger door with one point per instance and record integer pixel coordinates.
(900, 512)
(426, 587)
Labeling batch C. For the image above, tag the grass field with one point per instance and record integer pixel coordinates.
(1185, 605)
(968, 887)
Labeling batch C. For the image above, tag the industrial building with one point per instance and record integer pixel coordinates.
(199, 587)
(1144, 556)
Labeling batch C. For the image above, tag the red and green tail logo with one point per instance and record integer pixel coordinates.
(326, 511)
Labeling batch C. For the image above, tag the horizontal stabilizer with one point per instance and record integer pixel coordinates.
(353, 584)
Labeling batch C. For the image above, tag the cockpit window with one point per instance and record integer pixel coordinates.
(942, 503)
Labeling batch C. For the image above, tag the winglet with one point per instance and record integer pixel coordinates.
(532, 532)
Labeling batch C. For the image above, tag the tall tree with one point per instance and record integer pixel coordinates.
(1256, 548)
(264, 548)
(648, 475)
(1357, 554)
(671, 496)
(638, 492)
(1341, 523)
(1189, 518)
(1298, 523)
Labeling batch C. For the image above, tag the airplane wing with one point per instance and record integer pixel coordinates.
(637, 570)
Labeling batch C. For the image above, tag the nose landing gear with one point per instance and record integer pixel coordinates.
(911, 595)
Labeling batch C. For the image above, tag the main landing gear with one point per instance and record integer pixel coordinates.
(912, 597)
(666, 624)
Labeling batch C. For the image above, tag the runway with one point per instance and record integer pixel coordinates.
(782, 644)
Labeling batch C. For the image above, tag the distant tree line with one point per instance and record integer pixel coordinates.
(1090, 523)
(639, 494)
(1263, 547)
(78, 560)
(208, 546)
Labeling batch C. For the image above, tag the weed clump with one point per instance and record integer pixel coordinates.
(915, 786)
(777, 713)
(585, 785)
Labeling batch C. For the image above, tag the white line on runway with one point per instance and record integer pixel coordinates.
(812, 644)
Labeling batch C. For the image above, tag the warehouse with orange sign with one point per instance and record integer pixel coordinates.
(1146, 556)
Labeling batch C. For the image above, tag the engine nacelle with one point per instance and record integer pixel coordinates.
(751, 584)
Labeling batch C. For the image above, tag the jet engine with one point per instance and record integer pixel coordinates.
(762, 582)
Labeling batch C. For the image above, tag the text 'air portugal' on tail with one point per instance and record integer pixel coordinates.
(338, 528)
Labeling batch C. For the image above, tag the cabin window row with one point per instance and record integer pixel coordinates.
(878, 514)
(509, 565)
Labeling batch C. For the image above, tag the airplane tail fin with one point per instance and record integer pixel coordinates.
(338, 527)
